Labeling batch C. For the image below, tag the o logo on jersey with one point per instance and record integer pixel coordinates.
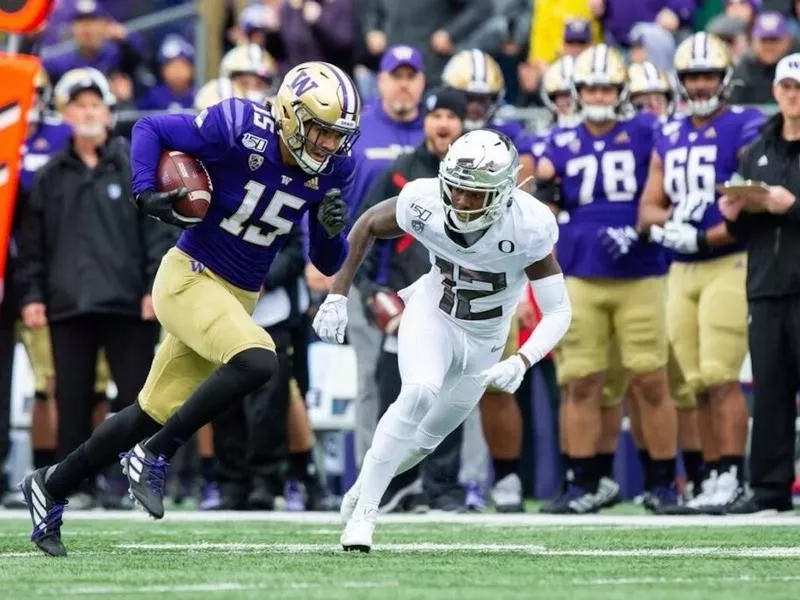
(506, 246)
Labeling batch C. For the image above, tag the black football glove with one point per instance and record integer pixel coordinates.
(159, 206)
(332, 212)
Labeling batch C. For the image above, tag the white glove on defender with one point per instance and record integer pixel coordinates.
(331, 319)
(506, 375)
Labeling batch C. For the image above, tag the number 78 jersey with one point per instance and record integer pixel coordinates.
(477, 287)
(696, 159)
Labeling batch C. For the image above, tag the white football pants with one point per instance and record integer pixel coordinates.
(440, 367)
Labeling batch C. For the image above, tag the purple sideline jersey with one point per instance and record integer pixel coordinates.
(160, 97)
(533, 144)
(256, 198)
(696, 159)
(601, 180)
(51, 136)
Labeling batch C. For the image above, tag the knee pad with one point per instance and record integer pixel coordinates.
(415, 401)
(258, 365)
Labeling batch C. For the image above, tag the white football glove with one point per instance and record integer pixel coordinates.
(331, 319)
(681, 237)
(506, 375)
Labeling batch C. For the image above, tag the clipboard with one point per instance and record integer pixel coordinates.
(747, 187)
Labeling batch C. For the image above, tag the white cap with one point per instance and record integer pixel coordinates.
(788, 68)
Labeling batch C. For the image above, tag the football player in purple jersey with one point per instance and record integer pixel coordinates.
(594, 174)
(706, 305)
(269, 165)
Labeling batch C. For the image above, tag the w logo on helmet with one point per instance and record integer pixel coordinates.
(302, 83)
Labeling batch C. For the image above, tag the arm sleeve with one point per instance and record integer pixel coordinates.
(207, 137)
(336, 25)
(30, 274)
(553, 300)
(471, 14)
(289, 263)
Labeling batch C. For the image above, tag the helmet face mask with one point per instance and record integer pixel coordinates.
(599, 72)
(477, 178)
(479, 76)
(704, 72)
(650, 90)
(317, 110)
(556, 92)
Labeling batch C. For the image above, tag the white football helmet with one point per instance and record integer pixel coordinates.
(479, 161)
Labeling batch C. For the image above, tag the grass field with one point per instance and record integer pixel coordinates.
(494, 557)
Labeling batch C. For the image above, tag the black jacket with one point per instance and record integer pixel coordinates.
(84, 248)
(407, 259)
(773, 241)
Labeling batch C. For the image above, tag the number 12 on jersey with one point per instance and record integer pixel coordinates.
(454, 296)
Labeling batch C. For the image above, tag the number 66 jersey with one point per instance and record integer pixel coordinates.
(476, 286)
(696, 159)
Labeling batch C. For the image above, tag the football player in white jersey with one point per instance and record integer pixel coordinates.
(487, 241)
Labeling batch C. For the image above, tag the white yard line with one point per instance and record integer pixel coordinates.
(684, 580)
(199, 588)
(491, 520)
(425, 547)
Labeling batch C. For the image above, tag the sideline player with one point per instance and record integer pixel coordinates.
(269, 165)
(487, 241)
(706, 304)
(595, 173)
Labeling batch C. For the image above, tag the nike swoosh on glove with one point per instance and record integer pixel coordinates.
(681, 237)
(331, 319)
(618, 240)
(332, 212)
(159, 206)
(506, 375)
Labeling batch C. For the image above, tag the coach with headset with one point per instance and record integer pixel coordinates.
(88, 258)
(768, 217)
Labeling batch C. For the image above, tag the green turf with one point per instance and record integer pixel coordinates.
(270, 560)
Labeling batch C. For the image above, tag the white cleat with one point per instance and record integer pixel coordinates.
(348, 505)
(507, 495)
(708, 489)
(357, 534)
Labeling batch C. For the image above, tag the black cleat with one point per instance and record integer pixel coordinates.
(46, 513)
(147, 475)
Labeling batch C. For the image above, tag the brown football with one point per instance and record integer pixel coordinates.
(387, 308)
(175, 170)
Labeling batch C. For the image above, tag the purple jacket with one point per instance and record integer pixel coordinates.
(622, 15)
(330, 39)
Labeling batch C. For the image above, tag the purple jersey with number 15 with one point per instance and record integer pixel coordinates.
(601, 180)
(256, 198)
(696, 159)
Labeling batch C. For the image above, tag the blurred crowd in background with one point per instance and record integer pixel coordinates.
(181, 55)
